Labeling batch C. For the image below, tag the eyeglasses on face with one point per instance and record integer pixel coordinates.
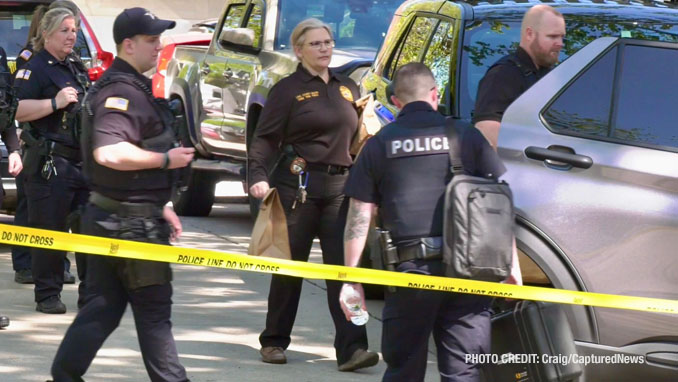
(317, 45)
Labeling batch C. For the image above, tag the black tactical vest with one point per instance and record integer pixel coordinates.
(101, 177)
(412, 186)
(530, 76)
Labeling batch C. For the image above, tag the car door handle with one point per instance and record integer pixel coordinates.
(559, 157)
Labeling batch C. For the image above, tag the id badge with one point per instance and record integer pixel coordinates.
(298, 165)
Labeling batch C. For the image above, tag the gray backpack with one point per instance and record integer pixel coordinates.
(478, 222)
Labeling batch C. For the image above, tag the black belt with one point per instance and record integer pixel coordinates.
(429, 248)
(66, 152)
(328, 168)
(125, 209)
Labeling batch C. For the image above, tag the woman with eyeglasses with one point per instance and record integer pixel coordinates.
(306, 128)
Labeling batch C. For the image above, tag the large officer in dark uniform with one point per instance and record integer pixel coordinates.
(129, 150)
(541, 39)
(50, 89)
(410, 203)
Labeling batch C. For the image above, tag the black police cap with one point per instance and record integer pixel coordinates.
(135, 21)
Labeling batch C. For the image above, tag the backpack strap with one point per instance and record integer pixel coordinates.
(454, 143)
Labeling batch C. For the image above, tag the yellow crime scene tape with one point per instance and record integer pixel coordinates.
(63, 241)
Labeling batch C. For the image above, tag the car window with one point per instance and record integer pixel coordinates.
(14, 27)
(355, 24)
(234, 15)
(412, 47)
(254, 22)
(487, 40)
(439, 53)
(584, 107)
(646, 111)
(81, 48)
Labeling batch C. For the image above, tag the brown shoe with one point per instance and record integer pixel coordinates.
(361, 358)
(273, 354)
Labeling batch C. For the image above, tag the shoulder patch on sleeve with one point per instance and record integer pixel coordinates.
(116, 103)
(26, 54)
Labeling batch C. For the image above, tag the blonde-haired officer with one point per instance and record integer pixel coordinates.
(310, 114)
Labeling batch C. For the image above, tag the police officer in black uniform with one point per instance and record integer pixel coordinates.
(50, 89)
(541, 39)
(311, 117)
(129, 147)
(21, 255)
(410, 201)
(8, 105)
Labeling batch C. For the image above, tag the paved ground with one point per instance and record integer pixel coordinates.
(217, 317)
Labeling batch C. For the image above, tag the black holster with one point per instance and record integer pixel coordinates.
(35, 150)
(389, 252)
(141, 222)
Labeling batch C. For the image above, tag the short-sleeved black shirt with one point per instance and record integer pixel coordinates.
(124, 113)
(317, 119)
(505, 81)
(42, 78)
(410, 189)
(24, 56)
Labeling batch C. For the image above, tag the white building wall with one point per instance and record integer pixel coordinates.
(101, 13)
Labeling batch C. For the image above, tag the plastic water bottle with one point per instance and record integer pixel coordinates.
(351, 299)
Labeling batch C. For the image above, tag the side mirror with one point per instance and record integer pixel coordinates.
(242, 37)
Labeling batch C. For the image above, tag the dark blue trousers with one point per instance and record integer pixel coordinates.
(460, 325)
(50, 202)
(105, 306)
(21, 256)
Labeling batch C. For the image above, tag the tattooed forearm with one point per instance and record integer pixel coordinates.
(358, 220)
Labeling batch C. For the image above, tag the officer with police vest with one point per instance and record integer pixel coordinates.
(388, 174)
(541, 39)
(129, 148)
(50, 88)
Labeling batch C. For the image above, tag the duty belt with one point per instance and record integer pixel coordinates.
(429, 248)
(128, 209)
(66, 152)
(328, 168)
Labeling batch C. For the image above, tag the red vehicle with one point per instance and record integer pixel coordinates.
(197, 38)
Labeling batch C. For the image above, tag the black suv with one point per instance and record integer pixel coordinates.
(611, 227)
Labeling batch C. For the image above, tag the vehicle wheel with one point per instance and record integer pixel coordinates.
(196, 197)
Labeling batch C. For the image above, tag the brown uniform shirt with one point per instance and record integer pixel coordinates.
(317, 119)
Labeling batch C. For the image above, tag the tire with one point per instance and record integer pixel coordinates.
(196, 197)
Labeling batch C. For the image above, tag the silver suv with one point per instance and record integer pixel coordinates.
(592, 157)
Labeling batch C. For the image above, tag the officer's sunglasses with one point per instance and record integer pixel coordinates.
(317, 45)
